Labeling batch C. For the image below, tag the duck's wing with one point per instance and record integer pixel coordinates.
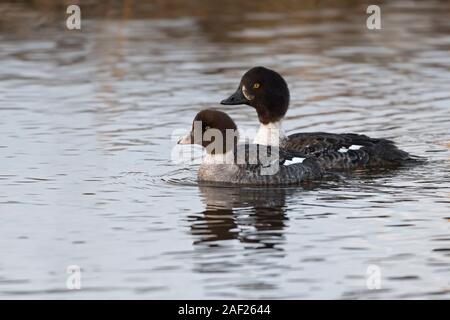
(312, 142)
(262, 155)
(261, 164)
(346, 150)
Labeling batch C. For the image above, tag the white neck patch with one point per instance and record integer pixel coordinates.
(270, 134)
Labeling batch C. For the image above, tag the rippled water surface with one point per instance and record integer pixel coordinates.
(86, 123)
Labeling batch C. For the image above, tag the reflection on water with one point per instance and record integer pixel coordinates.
(260, 215)
(86, 123)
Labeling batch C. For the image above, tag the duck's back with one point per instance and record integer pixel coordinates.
(347, 151)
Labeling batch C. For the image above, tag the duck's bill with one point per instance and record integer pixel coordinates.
(187, 139)
(236, 98)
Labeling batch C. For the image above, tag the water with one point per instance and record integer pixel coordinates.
(86, 123)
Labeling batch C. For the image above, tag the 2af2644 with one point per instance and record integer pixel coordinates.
(245, 309)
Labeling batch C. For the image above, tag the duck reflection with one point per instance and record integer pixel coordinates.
(250, 215)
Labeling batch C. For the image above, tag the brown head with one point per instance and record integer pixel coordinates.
(214, 130)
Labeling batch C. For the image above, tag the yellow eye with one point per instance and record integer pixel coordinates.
(256, 86)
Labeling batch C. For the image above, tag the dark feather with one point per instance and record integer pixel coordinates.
(325, 147)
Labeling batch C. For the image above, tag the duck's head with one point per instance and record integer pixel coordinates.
(266, 91)
(214, 130)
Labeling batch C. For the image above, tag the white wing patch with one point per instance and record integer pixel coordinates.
(293, 161)
(352, 147)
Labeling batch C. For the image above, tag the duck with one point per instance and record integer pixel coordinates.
(227, 161)
(267, 92)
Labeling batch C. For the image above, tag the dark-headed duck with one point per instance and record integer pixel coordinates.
(267, 92)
